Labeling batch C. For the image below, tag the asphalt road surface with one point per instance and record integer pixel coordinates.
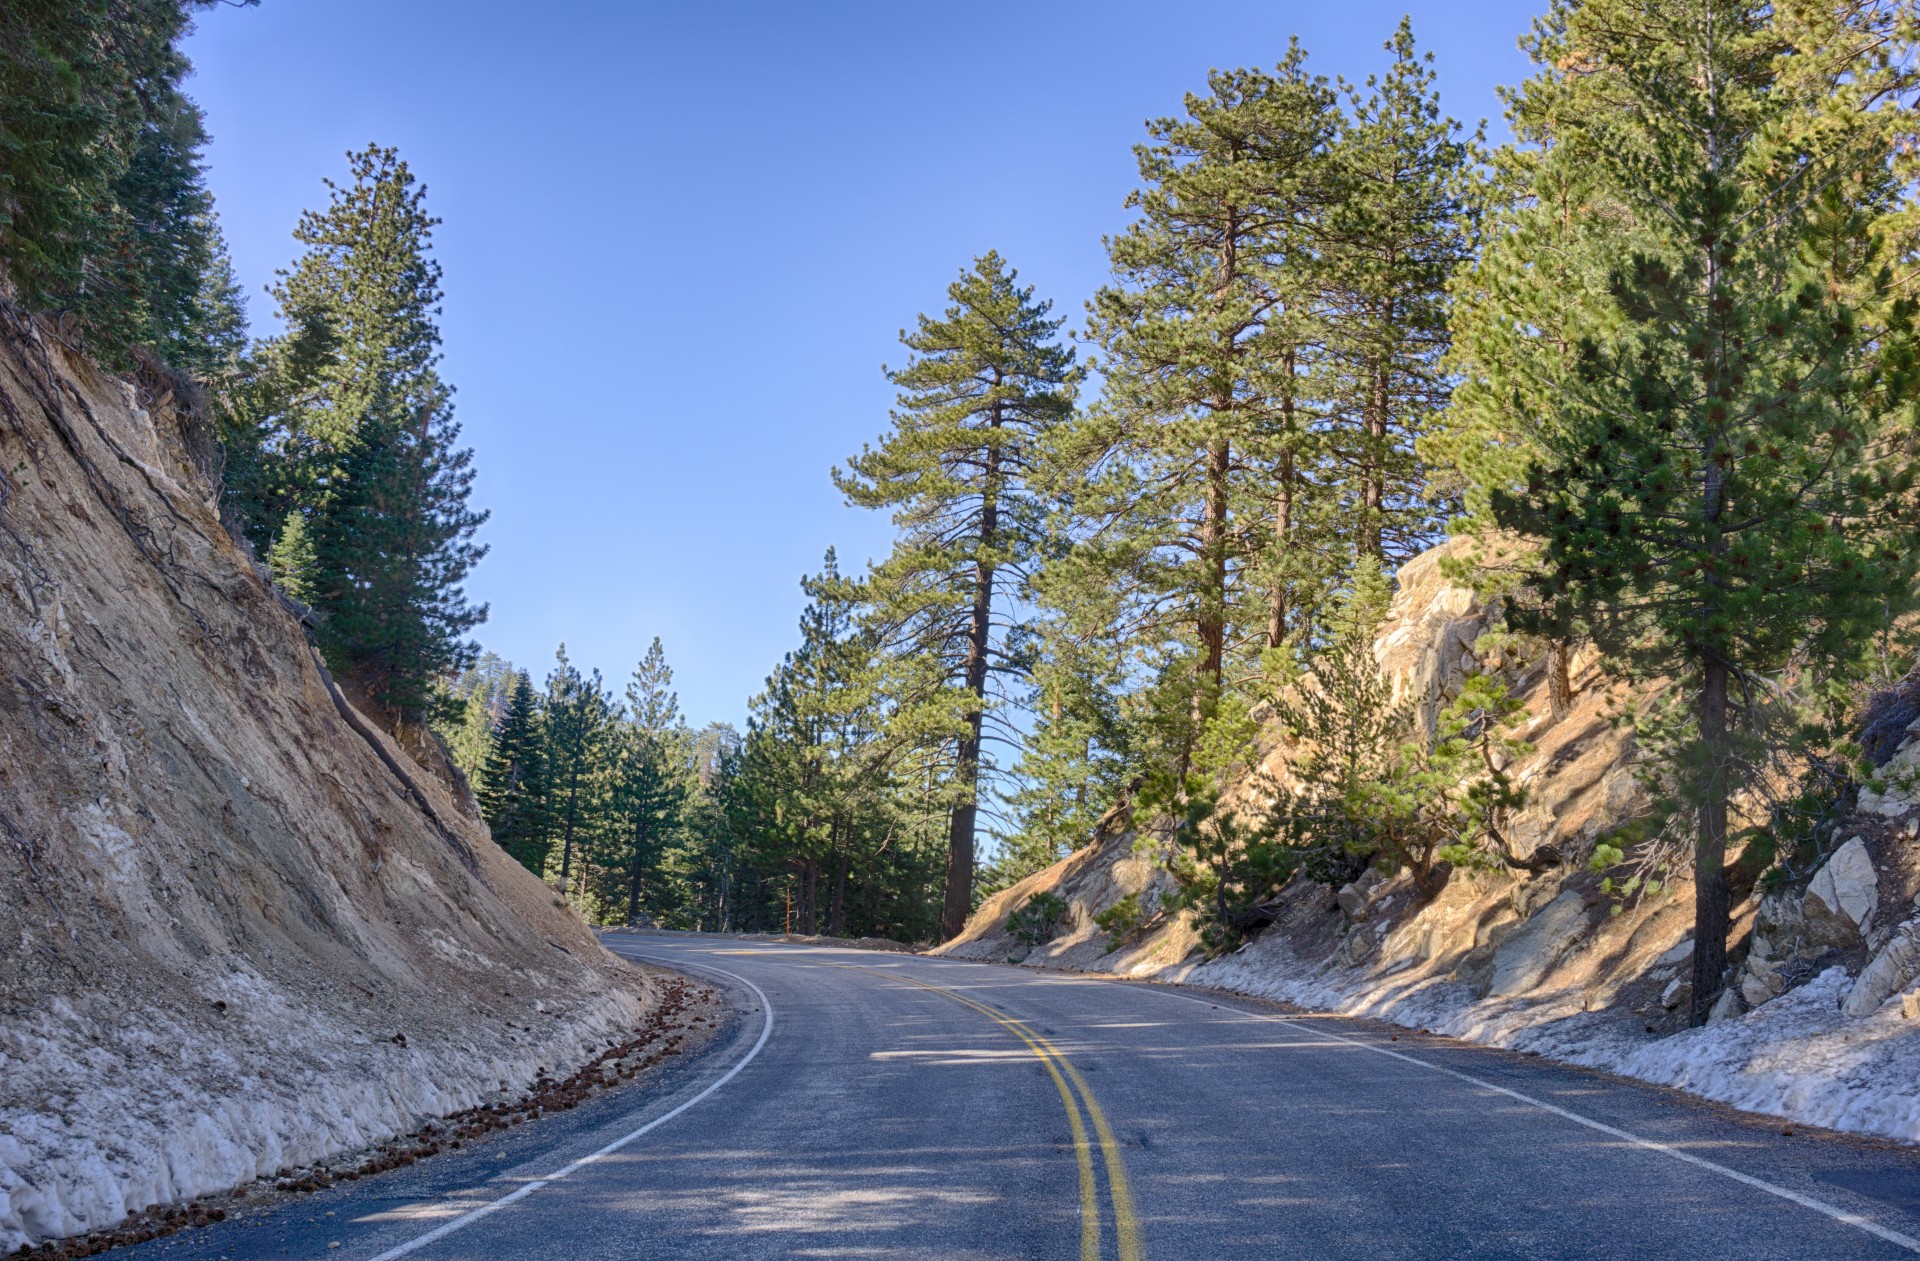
(877, 1105)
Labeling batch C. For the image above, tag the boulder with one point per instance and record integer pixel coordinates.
(1892, 970)
(1728, 1006)
(1679, 993)
(1525, 958)
(1676, 954)
(1840, 903)
(1353, 897)
(1761, 980)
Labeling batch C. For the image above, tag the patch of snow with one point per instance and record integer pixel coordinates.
(1797, 1057)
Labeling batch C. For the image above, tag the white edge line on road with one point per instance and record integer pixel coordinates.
(1834, 1211)
(469, 1218)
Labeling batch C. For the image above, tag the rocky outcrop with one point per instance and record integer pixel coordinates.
(1892, 970)
(1532, 953)
(1579, 782)
(1838, 905)
(239, 933)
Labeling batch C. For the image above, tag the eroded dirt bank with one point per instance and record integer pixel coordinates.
(241, 933)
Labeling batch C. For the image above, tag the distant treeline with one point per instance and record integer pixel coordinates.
(634, 816)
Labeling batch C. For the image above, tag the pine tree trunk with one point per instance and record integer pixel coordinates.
(1212, 626)
(960, 834)
(566, 834)
(633, 884)
(1711, 909)
(1711, 903)
(1283, 517)
(1374, 489)
(1559, 678)
(837, 915)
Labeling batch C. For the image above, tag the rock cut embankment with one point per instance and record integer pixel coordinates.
(241, 931)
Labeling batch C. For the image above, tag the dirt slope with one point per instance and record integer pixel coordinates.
(236, 936)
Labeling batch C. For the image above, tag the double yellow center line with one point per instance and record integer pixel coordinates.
(1067, 1080)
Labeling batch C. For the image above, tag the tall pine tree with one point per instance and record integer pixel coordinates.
(984, 386)
(579, 716)
(350, 424)
(104, 210)
(651, 780)
(1403, 221)
(1198, 439)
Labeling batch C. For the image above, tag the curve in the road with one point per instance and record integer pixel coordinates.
(905, 1108)
(493, 1206)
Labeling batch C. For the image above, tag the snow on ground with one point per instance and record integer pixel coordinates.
(1796, 1057)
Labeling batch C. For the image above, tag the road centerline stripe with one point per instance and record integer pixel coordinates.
(1125, 1223)
(493, 1206)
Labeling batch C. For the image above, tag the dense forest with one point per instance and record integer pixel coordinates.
(1656, 355)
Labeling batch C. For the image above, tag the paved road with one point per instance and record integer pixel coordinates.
(895, 1106)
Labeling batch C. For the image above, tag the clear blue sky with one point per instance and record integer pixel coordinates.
(680, 241)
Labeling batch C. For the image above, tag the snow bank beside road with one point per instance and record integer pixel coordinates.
(1797, 1057)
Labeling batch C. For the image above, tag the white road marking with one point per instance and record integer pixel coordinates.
(494, 1206)
(1834, 1211)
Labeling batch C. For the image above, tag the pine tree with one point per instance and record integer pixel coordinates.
(513, 786)
(650, 788)
(1402, 223)
(1717, 482)
(578, 716)
(291, 559)
(1198, 437)
(1075, 757)
(360, 428)
(983, 388)
(476, 704)
(842, 826)
(104, 210)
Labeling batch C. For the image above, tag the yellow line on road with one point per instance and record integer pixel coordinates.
(1125, 1226)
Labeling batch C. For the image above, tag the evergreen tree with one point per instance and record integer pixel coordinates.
(1197, 437)
(1402, 223)
(841, 827)
(650, 788)
(983, 388)
(350, 423)
(1074, 759)
(578, 715)
(476, 703)
(104, 210)
(1715, 476)
(513, 786)
(291, 559)
(708, 867)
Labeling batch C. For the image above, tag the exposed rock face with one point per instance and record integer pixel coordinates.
(1502, 935)
(1839, 904)
(1529, 955)
(235, 939)
(1892, 970)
